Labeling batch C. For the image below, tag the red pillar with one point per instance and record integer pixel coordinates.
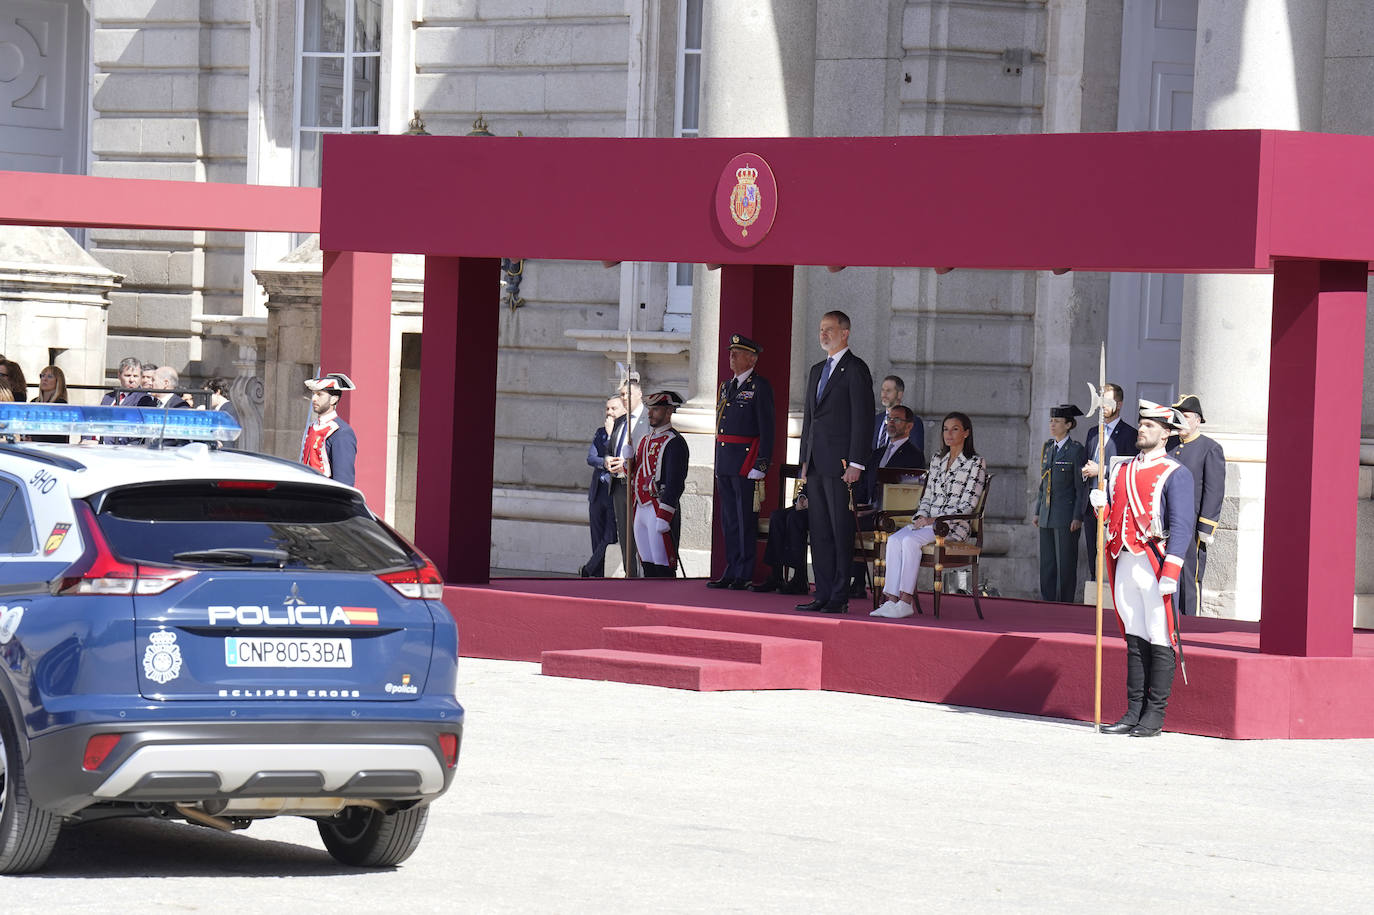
(756, 301)
(453, 474)
(1316, 371)
(355, 338)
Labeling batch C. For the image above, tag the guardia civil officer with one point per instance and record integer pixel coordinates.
(1206, 460)
(1059, 505)
(744, 446)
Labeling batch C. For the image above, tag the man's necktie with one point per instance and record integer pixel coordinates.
(825, 376)
(732, 389)
(883, 440)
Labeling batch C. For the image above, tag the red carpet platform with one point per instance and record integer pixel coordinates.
(1028, 656)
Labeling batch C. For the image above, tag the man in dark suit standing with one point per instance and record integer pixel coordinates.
(1120, 442)
(600, 510)
(836, 444)
(890, 394)
(744, 446)
(625, 435)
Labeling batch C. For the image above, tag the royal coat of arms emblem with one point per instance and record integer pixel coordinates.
(746, 200)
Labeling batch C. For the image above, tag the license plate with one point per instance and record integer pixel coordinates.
(285, 652)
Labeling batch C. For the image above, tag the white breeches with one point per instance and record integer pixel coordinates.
(904, 558)
(1138, 601)
(651, 545)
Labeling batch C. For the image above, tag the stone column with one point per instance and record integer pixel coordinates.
(1258, 65)
(757, 80)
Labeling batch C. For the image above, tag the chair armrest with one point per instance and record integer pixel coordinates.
(941, 524)
(890, 521)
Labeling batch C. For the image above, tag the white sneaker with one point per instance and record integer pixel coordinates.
(901, 611)
(885, 608)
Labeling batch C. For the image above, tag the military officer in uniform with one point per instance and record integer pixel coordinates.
(1204, 457)
(1148, 508)
(1059, 505)
(660, 476)
(744, 446)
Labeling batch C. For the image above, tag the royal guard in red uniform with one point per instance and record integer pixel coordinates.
(660, 476)
(330, 445)
(744, 446)
(1148, 507)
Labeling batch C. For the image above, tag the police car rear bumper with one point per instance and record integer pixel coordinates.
(195, 761)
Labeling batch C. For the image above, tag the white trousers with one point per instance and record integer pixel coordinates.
(649, 543)
(1138, 601)
(904, 558)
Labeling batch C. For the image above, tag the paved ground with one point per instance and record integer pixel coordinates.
(577, 796)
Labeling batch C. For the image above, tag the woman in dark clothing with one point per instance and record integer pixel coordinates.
(52, 388)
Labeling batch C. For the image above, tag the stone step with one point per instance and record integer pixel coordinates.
(699, 659)
(711, 643)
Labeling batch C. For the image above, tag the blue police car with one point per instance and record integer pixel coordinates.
(212, 636)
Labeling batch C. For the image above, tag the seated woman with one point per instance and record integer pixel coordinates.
(954, 484)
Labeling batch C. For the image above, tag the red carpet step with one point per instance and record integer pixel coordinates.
(700, 659)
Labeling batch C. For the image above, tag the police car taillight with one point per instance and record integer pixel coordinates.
(448, 743)
(424, 583)
(98, 750)
(98, 571)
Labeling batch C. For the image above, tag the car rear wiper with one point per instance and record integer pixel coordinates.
(236, 556)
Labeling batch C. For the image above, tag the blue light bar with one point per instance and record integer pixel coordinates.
(125, 422)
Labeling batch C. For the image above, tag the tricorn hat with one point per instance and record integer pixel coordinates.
(669, 399)
(1189, 403)
(1166, 416)
(1065, 411)
(334, 383)
(739, 341)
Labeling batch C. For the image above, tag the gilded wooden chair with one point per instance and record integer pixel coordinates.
(901, 494)
(942, 556)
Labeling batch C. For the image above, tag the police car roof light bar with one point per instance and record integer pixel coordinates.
(153, 423)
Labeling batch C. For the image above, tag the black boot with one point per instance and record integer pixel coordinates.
(798, 584)
(1136, 653)
(1158, 686)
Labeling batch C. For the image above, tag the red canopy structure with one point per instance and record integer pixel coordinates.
(1204, 202)
(1230, 202)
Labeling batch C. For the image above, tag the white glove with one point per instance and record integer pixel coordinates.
(661, 525)
(1097, 498)
(1205, 538)
(756, 474)
(1168, 586)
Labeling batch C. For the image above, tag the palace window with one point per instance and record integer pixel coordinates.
(679, 313)
(338, 68)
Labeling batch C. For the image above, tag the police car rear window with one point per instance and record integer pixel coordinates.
(293, 527)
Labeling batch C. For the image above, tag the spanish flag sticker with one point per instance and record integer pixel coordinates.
(361, 616)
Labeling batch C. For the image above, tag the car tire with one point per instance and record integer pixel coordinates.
(27, 831)
(364, 837)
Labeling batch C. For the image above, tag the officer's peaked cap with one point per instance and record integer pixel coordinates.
(739, 341)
